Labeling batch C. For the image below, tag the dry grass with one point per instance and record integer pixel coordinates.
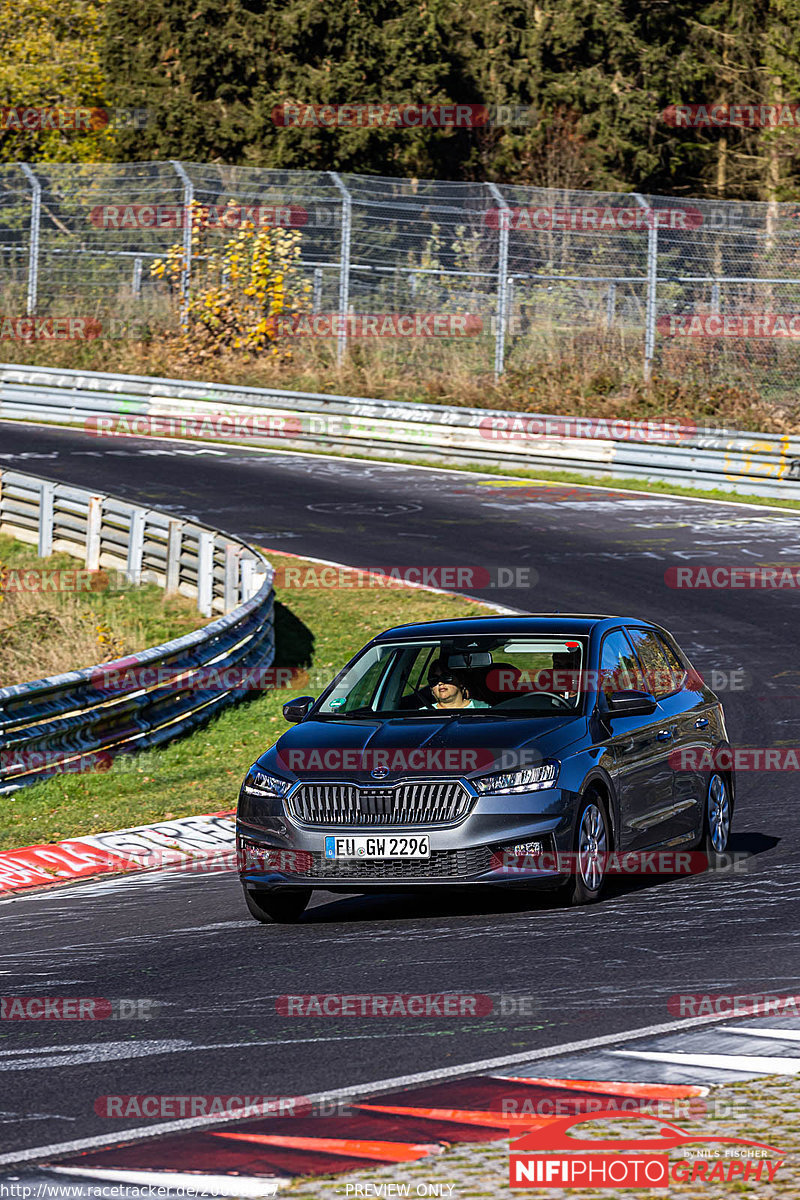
(581, 372)
(48, 632)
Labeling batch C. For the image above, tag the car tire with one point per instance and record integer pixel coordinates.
(717, 819)
(277, 907)
(592, 842)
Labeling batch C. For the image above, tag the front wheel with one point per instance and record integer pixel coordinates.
(717, 819)
(277, 907)
(592, 845)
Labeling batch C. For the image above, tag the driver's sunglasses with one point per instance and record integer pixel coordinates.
(434, 679)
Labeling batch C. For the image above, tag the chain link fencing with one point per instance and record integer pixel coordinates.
(507, 275)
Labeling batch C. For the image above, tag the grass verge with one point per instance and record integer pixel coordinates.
(316, 629)
(55, 616)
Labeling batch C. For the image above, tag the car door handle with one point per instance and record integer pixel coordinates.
(664, 735)
(701, 723)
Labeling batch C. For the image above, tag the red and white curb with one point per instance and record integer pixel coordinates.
(407, 1118)
(199, 843)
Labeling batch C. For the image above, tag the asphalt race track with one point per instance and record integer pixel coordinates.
(187, 943)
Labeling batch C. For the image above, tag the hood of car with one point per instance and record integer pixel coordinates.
(407, 746)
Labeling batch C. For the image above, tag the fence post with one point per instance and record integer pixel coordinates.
(503, 223)
(33, 250)
(652, 287)
(247, 575)
(94, 519)
(186, 270)
(232, 555)
(344, 267)
(136, 285)
(135, 546)
(205, 571)
(46, 498)
(172, 575)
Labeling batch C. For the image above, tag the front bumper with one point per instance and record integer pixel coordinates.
(274, 850)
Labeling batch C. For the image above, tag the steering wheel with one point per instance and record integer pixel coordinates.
(552, 696)
(555, 696)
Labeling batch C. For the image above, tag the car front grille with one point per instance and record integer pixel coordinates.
(424, 803)
(442, 864)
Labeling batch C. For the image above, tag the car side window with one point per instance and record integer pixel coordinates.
(658, 671)
(679, 672)
(619, 669)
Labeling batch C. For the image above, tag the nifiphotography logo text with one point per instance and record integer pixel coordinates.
(550, 1156)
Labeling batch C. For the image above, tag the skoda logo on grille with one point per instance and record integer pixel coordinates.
(379, 772)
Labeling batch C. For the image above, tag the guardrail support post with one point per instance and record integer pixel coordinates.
(652, 287)
(205, 572)
(33, 250)
(186, 269)
(232, 553)
(174, 543)
(248, 577)
(94, 519)
(46, 498)
(133, 570)
(344, 267)
(503, 223)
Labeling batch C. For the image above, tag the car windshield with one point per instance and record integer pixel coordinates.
(476, 677)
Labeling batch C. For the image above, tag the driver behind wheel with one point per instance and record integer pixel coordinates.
(566, 673)
(450, 691)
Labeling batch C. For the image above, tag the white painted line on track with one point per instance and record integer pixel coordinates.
(754, 1063)
(216, 1185)
(480, 1066)
(782, 1035)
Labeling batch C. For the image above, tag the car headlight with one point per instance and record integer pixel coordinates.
(259, 783)
(529, 779)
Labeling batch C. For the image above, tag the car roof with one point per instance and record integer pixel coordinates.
(574, 623)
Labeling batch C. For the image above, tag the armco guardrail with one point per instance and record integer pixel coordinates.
(745, 463)
(82, 719)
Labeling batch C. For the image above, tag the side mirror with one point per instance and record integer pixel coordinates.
(297, 710)
(630, 704)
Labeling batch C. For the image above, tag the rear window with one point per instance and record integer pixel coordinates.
(663, 673)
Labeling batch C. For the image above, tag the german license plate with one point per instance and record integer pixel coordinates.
(372, 848)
